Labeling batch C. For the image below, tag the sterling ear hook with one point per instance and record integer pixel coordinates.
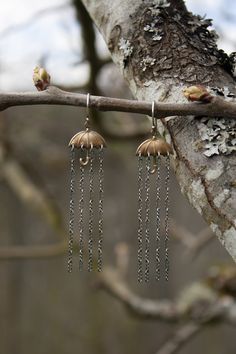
(154, 131)
(156, 148)
(88, 143)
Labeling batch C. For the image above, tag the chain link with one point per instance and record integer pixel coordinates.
(72, 212)
(140, 220)
(147, 220)
(100, 209)
(158, 219)
(81, 217)
(90, 236)
(167, 180)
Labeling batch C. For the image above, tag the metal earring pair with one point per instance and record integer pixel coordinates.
(88, 144)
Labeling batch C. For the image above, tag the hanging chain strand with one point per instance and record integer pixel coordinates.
(147, 220)
(158, 219)
(81, 217)
(90, 236)
(140, 220)
(100, 209)
(167, 180)
(72, 211)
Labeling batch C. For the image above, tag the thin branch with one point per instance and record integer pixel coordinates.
(189, 330)
(18, 180)
(111, 281)
(32, 252)
(53, 95)
(181, 234)
(201, 240)
(30, 194)
(89, 43)
(193, 244)
(180, 337)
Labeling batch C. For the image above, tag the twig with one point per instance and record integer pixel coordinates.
(111, 281)
(170, 311)
(89, 44)
(31, 195)
(163, 309)
(194, 244)
(35, 198)
(181, 234)
(56, 96)
(180, 337)
(32, 252)
(190, 329)
(201, 240)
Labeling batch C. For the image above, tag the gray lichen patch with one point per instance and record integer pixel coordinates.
(161, 3)
(154, 25)
(221, 198)
(227, 238)
(157, 33)
(223, 92)
(201, 27)
(126, 48)
(147, 62)
(217, 135)
(197, 195)
(215, 172)
(230, 241)
(215, 228)
(182, 45)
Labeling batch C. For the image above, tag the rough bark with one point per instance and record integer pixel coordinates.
(160, 47)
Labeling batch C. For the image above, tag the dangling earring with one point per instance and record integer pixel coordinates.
(86, 141)
(155, 147)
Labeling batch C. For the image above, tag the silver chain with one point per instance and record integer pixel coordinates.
(158, 219)
(81, 217)
(147, 220)
(140, 220)
(167, 179)
(100, 209)
(90, 236)
(72, 212)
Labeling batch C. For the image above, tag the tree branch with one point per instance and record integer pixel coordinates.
(187, 331)
(32, 252)
(180, 337)
(89, 44)
(31, 195)
(194, 244)
(55, 96)
(199, 303)
(111, 282)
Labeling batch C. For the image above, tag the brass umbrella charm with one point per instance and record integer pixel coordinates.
(88, 143)
(152, 151)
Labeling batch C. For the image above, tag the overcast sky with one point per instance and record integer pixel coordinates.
(29, 34)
